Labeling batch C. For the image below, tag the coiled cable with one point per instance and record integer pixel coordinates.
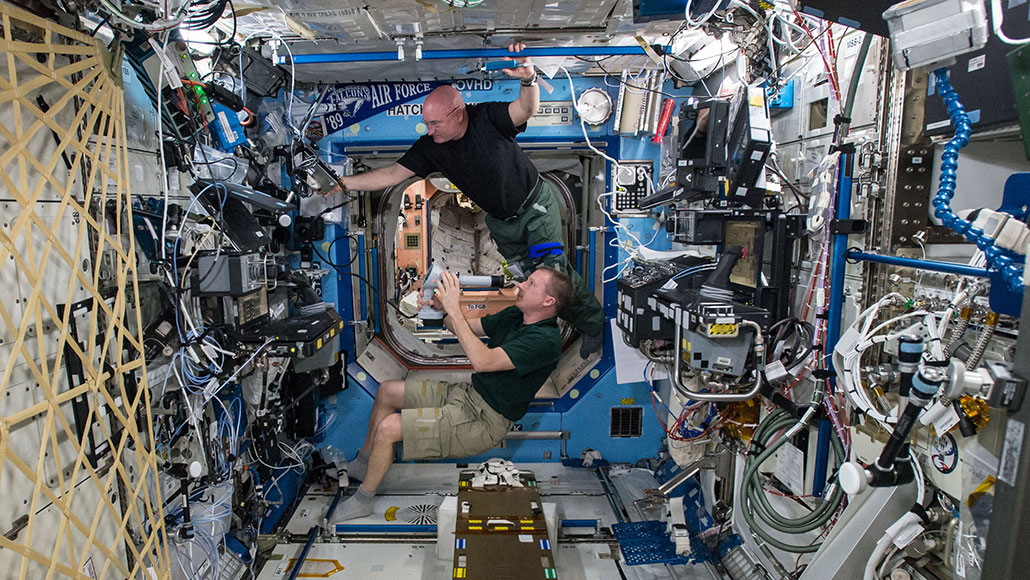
(757, 504)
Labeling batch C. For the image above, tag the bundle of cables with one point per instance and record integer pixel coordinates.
(196, 15)
(204, 15)
(862, 335)
(755, 502)
(792, 342)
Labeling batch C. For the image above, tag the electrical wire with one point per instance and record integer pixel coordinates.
(353, 255)
(628, 84)
(831, 69)
(618, 227)
(159, 25)
(997, 19)
(693, 24)
(161, 151)
(339, 270)
(293, 76)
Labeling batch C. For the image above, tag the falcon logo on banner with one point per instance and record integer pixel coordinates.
(348, 104)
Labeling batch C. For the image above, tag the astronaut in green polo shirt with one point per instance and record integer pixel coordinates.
(441, 419)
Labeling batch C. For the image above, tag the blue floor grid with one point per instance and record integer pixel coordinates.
(646, 543)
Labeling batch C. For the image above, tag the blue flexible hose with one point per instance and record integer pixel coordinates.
(996, 258)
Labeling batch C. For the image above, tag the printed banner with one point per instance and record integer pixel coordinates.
(345, 105)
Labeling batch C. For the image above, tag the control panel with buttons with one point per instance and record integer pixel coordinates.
(552, 114)
(630, 180)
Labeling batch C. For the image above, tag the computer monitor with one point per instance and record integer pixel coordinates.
(701, 158)
(232, 216)
(246, 194)
(747, 147)
(748, 233)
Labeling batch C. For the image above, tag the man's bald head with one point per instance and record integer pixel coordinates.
(441, 101)
(444, 114)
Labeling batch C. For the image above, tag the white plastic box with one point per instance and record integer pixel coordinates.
(932, 33)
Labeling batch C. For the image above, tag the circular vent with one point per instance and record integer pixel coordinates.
(421, 515)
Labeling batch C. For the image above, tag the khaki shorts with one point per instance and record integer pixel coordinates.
(442, 419)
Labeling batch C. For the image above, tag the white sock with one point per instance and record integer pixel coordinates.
(356, 506)
(358, 468)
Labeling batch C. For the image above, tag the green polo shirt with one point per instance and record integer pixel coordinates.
(534, 349)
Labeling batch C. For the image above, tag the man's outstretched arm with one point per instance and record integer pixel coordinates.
(378, 178)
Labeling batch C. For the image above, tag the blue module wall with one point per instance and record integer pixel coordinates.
(585, 412)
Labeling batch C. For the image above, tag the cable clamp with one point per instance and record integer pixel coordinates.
(845, 148)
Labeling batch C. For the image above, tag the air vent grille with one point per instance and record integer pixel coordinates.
(627, 421)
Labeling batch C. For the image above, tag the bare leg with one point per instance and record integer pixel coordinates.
(387, 434)
(389, 399)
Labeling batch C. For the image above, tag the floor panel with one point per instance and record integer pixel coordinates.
(407, 506)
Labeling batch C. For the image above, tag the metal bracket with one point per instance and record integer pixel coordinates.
(848, 227)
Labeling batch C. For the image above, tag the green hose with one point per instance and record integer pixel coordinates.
(756, 503)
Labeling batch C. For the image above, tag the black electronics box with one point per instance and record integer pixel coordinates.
(297, 336)
(702, 156)
(220, 273)
(864, 15)
(260, 76)
(747, 149)
(637, 313)
(974, 72)
(698, 227)
(232, 217)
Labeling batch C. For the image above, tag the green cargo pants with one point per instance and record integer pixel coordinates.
(540, 223)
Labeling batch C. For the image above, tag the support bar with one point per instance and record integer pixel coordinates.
(468, 53)
(361, 272)
(347, 528)
(594, 524)
(538, 435)
(591, 273)
(931, 265)
(838, 267)
(299, 564)
(706, 462)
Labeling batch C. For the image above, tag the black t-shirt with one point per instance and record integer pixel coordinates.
(534, 349)
(485, 164)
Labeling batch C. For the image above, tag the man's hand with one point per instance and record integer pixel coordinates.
(448, 294)
(433, 302)
(526, 72)
(524, 107)
(340, 187)
(483, 358)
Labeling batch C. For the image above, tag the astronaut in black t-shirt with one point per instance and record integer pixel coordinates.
(474, 147)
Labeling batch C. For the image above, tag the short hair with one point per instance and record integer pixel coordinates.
(559, 287)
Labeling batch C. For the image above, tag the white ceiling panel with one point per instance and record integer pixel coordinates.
(349, 26)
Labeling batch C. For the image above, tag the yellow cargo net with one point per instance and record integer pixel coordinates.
(78, 471)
